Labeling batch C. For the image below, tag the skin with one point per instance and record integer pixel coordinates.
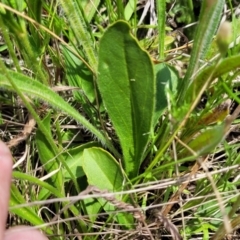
(22, 232)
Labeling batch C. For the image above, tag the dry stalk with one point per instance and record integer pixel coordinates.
(28, 128)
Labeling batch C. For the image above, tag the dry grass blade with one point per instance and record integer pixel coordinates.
(176, 195)
(168, 225)
(28, 128)
(137, 214)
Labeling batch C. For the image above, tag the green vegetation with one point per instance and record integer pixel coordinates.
(115, 124)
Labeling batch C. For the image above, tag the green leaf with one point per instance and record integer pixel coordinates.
(74, 158)
(92, 207)
(225, 66)
(34, 180)
(26, 213)
(206, 141)
(161, 17)
(79, 25)
(18, 5)
(47, 156)
(90, 8)
(208, 23)
(166, 79)
(102, 169)
(104, 172)
(129, 9)
(78, 75)
(38, 90)
(35, 9)
(127, 84)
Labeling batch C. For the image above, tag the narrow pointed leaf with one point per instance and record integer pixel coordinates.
(27, 213)
(37, 90)
(78, 75)
(208, 23)
(206, 141)
(47, 155)
(225, 66)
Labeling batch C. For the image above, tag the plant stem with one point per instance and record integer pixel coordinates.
(161, 6)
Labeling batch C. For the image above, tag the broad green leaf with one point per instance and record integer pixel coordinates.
(47, 156)
(74, 158)
(127, 84)
(102, 169)
(206, 141)
(166, 80)
(92, 207)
